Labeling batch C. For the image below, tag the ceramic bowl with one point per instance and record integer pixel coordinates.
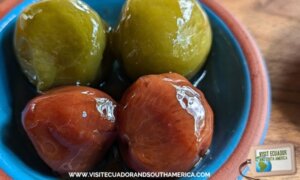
(234, 81)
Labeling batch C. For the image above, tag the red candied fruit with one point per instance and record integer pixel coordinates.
(164, 124)
(71, 127)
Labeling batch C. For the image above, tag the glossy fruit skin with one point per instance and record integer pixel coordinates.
(60, 42)
(156, 36)
(155, 132)
(68, 129)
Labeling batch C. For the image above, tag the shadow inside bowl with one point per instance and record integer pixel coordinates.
(14, 136)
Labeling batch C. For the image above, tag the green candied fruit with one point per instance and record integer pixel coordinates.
(158, 36)
(60, 42)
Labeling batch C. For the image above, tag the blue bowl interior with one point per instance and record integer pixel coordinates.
(226, 85)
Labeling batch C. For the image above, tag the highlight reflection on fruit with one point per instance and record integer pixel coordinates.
(160, 36)
(71, 127)
(60, 42)
(164, 124)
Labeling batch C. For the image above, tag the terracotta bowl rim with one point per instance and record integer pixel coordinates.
(260, 108)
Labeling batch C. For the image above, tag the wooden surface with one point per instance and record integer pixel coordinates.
(275, 24)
